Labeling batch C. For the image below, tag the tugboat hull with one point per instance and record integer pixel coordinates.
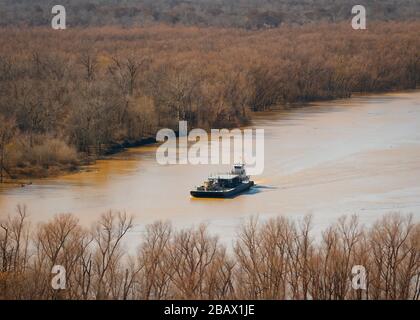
(225, 193)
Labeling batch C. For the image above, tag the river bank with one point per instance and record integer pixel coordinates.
(103, 86)
(26, 176)
(22, 176)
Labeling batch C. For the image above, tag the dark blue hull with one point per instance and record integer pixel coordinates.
(223, 194)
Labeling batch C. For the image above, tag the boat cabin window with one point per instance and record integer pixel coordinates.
(229, 183)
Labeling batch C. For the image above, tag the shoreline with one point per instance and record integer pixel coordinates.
(118, 148)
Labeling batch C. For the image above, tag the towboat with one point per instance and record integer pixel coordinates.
(225, 185)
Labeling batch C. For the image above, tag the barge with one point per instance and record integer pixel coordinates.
(225, 185)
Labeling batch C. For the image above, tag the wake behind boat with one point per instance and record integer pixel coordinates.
(225, 185)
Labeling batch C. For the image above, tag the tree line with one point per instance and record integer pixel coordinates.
(69, 97)
(249, 14)
(279, 258)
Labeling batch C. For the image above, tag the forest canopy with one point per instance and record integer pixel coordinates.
(124, 69)
(75, 94)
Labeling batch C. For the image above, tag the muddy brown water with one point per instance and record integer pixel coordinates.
(360, 155)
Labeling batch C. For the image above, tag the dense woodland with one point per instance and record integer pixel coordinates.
(71, 95)
(275, 259)
(249, 14)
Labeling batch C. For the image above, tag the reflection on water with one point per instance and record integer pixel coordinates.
(360, 155)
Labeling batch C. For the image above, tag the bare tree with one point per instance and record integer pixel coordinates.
(107, 237)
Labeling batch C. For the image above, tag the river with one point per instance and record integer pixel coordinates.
(355, 156)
